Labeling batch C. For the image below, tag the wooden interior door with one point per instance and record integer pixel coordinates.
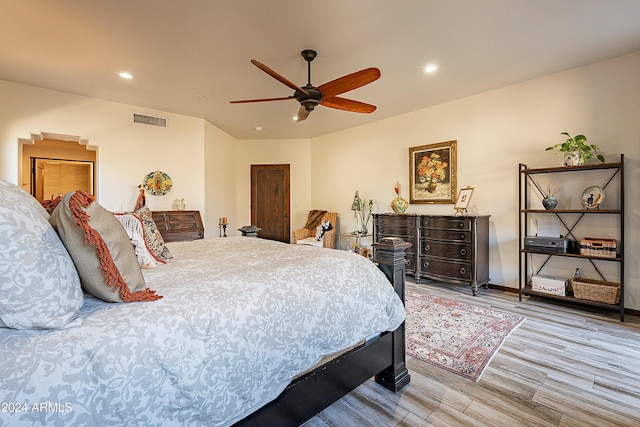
(270, 191)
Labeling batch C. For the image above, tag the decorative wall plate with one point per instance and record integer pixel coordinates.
(592, 197)
(157, 183)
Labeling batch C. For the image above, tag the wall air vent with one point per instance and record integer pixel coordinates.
(149, 120)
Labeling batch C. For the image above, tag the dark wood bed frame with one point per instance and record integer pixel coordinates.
(314, 391)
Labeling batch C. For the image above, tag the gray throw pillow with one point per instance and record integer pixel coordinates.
(101, 250)
(39, 285)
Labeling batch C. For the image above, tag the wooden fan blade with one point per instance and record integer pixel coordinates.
(302, 114)
(277, 76)
(242, 101)
(348, 105)
(349, 82)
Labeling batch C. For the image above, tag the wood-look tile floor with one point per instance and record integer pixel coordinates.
(564, 366)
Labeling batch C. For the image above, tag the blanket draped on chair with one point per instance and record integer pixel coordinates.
(314, 219)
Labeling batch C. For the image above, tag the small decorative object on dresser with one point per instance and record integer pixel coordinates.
(399, 204)
(463, 200)
(180, 205)
(432, 173)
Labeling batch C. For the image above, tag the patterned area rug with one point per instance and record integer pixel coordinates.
(455, 336)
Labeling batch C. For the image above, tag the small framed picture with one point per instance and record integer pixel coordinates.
(463, 199)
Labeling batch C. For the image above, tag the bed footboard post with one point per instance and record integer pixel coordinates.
(389, 253)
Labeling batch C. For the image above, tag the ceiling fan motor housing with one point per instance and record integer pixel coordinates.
(310, 101)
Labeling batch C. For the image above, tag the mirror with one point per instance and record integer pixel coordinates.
(51, 178)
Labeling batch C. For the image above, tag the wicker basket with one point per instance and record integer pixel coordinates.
(596, 290)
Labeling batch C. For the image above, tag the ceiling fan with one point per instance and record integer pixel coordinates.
(310, 96)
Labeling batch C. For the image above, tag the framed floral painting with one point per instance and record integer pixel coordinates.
(432, 173)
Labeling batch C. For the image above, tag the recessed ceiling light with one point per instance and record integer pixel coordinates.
(125, 75)
(430, 68)
(258, 128)
(295, 118)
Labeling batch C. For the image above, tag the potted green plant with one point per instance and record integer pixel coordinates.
(576, 150)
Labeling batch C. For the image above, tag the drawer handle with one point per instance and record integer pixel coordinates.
(463, 251)
(462, 236)
(426, 264)
(463, 270)
(427, 248)
(460, 224)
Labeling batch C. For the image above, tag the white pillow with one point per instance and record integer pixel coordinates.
(39, 284)
(133, 226)
(323, 228)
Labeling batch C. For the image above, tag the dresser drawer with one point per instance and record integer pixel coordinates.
(393, 231)
(446, 223)
(453, 251)
(447, 269)
(410, 266)
(408, 221)
(448, 235)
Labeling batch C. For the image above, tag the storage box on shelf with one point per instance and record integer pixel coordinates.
(550, 285)
(597, 293)
(596, 290)
(605, 248)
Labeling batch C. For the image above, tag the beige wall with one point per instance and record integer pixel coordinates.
(126, 151)
(496, 131)
(220, 180)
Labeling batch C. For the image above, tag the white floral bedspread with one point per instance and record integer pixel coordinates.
(239, 319)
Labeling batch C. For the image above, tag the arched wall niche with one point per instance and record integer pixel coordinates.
(62, 154)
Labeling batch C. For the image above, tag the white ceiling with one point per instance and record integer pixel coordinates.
(192, 57)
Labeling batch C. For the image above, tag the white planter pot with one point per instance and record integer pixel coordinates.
(573, 158)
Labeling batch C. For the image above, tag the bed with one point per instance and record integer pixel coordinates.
(228, 336)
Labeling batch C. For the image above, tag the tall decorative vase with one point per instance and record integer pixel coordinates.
(399, 204)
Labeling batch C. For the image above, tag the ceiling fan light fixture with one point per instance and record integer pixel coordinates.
(431, 68)
(309, 104)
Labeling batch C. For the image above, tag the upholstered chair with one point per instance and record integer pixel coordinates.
(307, 236)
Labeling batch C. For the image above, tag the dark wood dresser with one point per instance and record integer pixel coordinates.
(179, 226)
(446, 248)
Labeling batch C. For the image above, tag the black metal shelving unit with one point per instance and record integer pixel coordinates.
(570, 219)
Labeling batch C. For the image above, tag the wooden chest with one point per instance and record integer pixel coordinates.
(179, 226)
